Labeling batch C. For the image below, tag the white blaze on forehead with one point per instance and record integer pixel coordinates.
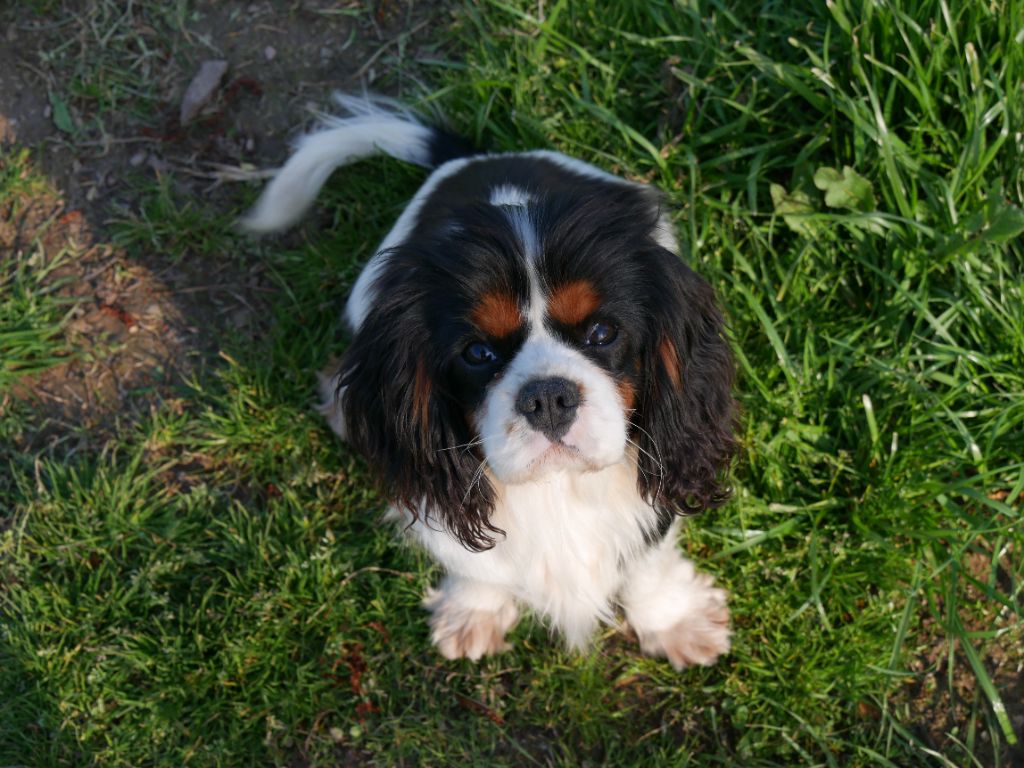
(523, 225)
(530, 244)
(509, 194)
(520, 219)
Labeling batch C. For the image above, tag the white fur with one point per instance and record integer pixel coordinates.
(470, 618)
(572, 552)
(566, 535)
(509, 194)
(676, 611)
(374, 126)
(327, 387)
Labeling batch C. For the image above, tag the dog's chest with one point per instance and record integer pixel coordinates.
(571, 530)
(568, 539)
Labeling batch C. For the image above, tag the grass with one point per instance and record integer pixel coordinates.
(112, 62)
(214, 588)
(177, 227)
(31, 313)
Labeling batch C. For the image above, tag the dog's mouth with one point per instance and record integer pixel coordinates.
(559, 455)
(559, 449)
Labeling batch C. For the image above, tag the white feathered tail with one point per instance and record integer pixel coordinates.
(374, 125)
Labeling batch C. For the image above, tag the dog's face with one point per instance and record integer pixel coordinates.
(533, 334)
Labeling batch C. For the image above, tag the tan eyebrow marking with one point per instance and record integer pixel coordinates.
(573, 302)
(497, 314)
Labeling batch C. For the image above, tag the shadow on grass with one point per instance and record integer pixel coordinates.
(31, 727)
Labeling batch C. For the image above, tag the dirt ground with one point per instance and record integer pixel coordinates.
(939, 702)
(144, 321)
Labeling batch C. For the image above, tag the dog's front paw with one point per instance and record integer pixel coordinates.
(698, 638)
(676, 611)
(462, 628)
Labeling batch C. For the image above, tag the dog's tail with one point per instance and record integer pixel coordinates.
(374, 125)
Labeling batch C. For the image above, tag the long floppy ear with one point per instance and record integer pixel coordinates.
(410, 431)
(686, 413)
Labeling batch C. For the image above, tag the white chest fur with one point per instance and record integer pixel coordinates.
(569, 540)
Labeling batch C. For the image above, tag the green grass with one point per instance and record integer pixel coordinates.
(31, 313)
(176, 226)
(216, 589)
(113, 62)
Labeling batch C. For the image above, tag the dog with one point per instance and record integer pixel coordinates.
(541, 385)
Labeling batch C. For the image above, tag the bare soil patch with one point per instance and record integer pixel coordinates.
(942, 697)
(68, 74)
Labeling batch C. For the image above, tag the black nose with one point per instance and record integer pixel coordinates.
(549, 405)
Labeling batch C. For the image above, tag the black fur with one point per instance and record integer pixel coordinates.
(418, 326)
(445, 146)
(461, 248)
(685, 423)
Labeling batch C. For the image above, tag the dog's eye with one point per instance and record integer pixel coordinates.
(601, 334)
(479, 353)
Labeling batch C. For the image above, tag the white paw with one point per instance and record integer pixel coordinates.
(676, 611)
(700, 637)
(462, 631)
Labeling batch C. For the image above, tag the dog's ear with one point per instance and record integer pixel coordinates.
(686, 412)
(409, 430)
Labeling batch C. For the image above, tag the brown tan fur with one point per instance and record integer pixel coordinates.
(497, 315)
(572, 303)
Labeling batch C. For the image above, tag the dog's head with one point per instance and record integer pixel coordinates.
(539, 334)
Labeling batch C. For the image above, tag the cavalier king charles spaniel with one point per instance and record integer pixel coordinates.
(539, 382)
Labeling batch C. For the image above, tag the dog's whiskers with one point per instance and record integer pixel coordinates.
(477, 477)
(639, 468)
(659, 460)
(648, 454)
(467, 446)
